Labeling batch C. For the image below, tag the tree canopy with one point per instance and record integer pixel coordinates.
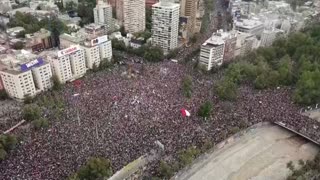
(292, 61)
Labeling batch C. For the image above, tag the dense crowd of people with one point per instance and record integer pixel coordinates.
(120, 118)
(9, 114)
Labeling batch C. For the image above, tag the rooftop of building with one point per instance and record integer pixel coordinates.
(19, 61)
(166, 4)
(248, 23)
(214, 40)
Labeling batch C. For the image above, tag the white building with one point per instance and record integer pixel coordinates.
(165, 25)
(249, 26)
(25, 75)
(43, 77)
(245, 43)
(95, 48)
(103, 15)
(68, 64)
(134, 15)
(211, 53)
(18, 84)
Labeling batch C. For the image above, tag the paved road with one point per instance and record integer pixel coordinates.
(260, 154)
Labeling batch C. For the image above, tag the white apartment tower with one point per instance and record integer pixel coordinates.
(105, 50)
(103, 15)
(23, 77)
(92, 56)
(134, 15)
(165, 25)
(69, 64)
(212, 52)
(42, 76)
(18, 84)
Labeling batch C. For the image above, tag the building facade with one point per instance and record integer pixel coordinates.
(25, 75)
(211, 53)
(68, 64)
(18, 84)
(165, 25)
(134, 15)
(188, 8)
(103, 15)
(43, 77)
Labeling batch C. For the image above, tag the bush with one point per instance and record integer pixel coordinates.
(187, 86)
(28, 99)
(3, 95)
(187, 156)
(31, 112)
(165, 170)
(227, 90)
(205, 110)
(95, 168)
(154, 54)
(8, 142)
(173, 53)
(40, 123)
(56, 83)
(3, 153)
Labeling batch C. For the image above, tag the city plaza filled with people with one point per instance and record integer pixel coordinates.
(107, 114)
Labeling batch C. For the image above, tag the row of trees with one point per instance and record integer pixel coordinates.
(306, 169)
(289, 61)
(150, 53)
(95, 168)
(184, 158)
(209, 7)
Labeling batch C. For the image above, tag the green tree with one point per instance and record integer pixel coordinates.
(40, 123)
(56, 83)
(28, 99)
(148, 19)
(31, 112)
(71, 6)
(3, 95)
(227, 90)
(8, 142)
(187, 156)
(165, 170)
(18, 45)
(118, 44)
(172, 53)
(95, 168)
(205, 109)
(308, 88)
(3, 153)
(285, 70)
(154, 54)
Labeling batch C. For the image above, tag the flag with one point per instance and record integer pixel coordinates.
(185, 113)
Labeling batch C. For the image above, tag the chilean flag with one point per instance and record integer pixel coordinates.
(185, 113)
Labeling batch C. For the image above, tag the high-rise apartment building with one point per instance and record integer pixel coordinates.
(103, 15)
(188, 8)
(134, 15)
(211, 53)
(25, 77)
(18, 84)
(68, 64)
(165, 25)
(96, 49)
(42, 76)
